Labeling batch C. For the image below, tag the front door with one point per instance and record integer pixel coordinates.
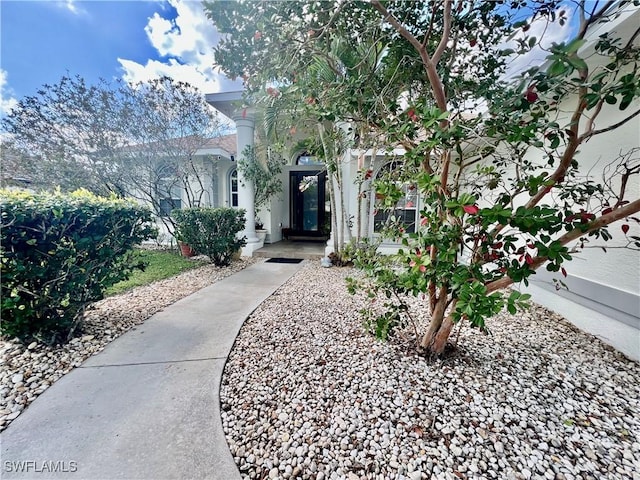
(307, 203)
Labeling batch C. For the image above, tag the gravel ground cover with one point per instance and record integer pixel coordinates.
(306, 394)
(28, 370)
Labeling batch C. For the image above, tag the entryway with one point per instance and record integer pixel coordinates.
(292, 249)
(308, 213)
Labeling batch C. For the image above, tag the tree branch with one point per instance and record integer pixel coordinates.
(432, 74)
(603, 221)
(588, 135)
(594, 17)
(446, 31)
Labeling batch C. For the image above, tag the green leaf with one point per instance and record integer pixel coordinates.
(575, 45)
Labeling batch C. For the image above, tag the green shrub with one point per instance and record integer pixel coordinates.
(358, 253)
(211, 231)
(60, 252)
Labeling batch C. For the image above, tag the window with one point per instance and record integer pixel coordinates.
(233, 188)
(168, 192)
(167, 205)
(306, 159)
(406, 210)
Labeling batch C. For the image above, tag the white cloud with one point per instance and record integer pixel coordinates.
(7, 100)
(546, 34)
(187, 44)
(70, 6)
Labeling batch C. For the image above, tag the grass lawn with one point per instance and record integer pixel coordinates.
(161, 264)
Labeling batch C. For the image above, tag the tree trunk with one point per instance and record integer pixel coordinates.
(334, 219)
(441, 337)
(435, 339)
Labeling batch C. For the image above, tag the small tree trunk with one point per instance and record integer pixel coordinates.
(440, 339)
(437, 316)
(435, 339)
(334, 219)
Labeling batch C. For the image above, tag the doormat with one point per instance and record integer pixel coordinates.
(283, 260)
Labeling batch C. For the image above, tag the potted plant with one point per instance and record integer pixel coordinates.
(185, 232)
(264, 173)
(260, 230)
(186, 250)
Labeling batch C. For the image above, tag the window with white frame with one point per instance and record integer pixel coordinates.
(168, 191)
(233, 188)
(406, 211)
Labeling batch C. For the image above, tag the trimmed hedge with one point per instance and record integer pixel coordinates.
(211, 231)
(60, 252)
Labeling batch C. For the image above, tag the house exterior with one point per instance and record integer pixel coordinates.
(203, 175)
(603, 295)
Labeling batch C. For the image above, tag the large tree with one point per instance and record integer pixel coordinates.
(136, 140)
(493, 153)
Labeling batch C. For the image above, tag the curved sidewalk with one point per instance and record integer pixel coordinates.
(147, 406)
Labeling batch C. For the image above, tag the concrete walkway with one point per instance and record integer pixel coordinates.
(147, 407)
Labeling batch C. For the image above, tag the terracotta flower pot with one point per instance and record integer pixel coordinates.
(186, 250)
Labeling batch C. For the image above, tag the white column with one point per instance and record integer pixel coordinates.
(245, 124)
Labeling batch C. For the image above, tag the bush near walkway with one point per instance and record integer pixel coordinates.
(60, 252)
(211, 231)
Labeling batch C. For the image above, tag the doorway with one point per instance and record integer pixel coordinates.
(307, 211)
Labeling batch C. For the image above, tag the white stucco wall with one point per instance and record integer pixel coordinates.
(603, 295)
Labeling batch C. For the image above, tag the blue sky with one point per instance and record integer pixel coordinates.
(42, 40)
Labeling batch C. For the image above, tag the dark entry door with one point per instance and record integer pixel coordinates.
(307, 203)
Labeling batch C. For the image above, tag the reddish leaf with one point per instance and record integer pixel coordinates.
(564, 272)
(471, 209)
(528, 259)
(257, 35)
(625, 228)
(424, 221)
(607, 210)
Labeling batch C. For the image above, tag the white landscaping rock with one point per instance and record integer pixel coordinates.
(531, 399)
